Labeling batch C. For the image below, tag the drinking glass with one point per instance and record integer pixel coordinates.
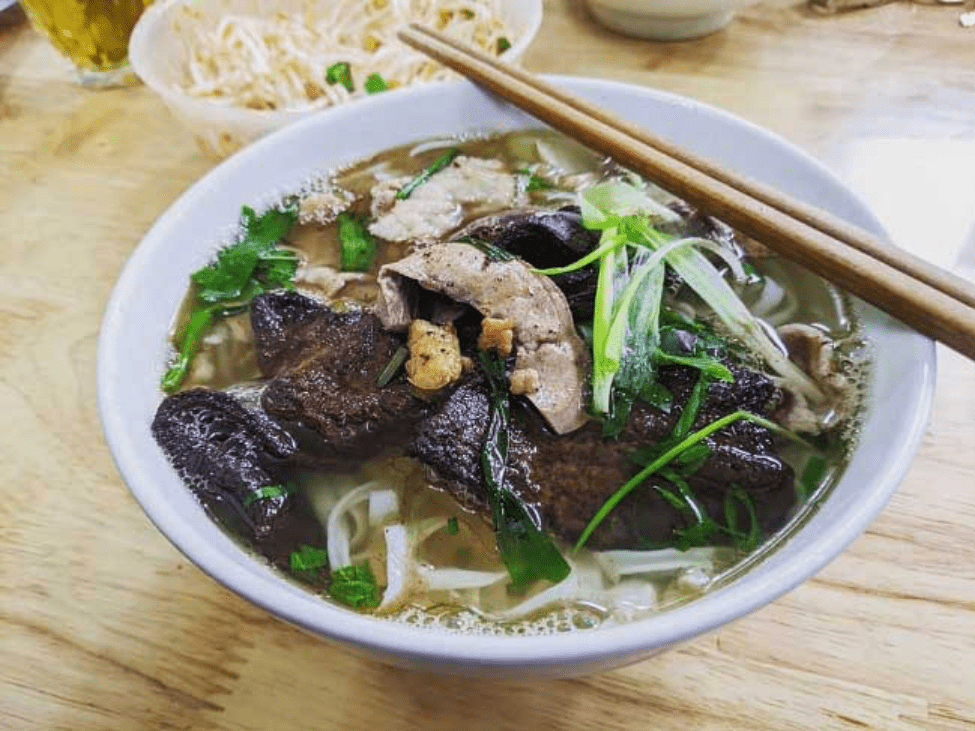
(93, 34)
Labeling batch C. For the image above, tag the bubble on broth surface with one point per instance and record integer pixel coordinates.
(457, 620)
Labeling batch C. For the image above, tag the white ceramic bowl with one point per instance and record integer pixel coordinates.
(132, 351)
(157, 54)
(665, 20)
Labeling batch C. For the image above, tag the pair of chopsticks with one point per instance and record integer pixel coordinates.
(934, 302)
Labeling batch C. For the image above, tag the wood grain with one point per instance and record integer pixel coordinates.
(104, 626)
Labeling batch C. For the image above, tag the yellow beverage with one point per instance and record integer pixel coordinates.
(92, 33)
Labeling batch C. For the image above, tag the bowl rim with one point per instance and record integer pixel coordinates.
(457, 651)
(140, 48)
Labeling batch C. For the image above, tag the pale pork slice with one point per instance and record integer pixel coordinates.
(438, 206)
(544, 334)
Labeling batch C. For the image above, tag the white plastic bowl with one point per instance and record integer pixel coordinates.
(158, 55)
(132, 351)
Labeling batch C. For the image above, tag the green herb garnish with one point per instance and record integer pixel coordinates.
(307, 559)
(452, 526)
(265, 493)
(355, 586)
(340, 73)
(375, 84)
(358, 246)
(813, 476)
(526, 550)
(503, 45)
(439, 164)
(701, 528)
(743, 541)
(240, 272)
(754, 276)
(392, 368)
(670, 455)
(632, 251)
(253, 264)
(197, 327)
(535, 182)
(692, 459)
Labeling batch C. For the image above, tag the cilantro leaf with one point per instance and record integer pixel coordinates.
(241, 271)
(307, 559)
(226, 278)
(270, 227)
(254, 257)
(355, 586)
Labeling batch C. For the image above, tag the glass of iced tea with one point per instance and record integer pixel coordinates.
(94, 34)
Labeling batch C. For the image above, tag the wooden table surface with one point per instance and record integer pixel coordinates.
(104, 625)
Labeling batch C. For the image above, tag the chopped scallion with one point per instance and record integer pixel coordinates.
(395, 363)
(359, 248)
(439, 164)
(526, 550)
(340, 73)
(375, 84)
(265, 493)
(672, 454)
(813, 476)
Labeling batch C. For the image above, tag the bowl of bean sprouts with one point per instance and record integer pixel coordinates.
(233, 70)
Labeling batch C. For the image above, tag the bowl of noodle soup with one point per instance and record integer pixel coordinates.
(134, 347)
(233, 70)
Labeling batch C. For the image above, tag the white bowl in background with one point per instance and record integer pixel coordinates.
(132, 352)
(157, 54)
(665, 20)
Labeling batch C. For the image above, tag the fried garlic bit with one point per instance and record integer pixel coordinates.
(497, 335)
(435, 359)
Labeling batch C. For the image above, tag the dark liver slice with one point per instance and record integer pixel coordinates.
(323, 368)
(568, 479)
(226, 453)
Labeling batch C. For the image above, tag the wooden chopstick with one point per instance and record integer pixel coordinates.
(825, 221)
(934, 302)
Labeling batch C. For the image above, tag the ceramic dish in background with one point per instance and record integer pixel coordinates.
(665, 20)
(133, 350)
(157, 53)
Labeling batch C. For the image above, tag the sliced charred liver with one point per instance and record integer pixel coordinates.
(548, 239)
(227, 454)
(324, 367)
(567, 480)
